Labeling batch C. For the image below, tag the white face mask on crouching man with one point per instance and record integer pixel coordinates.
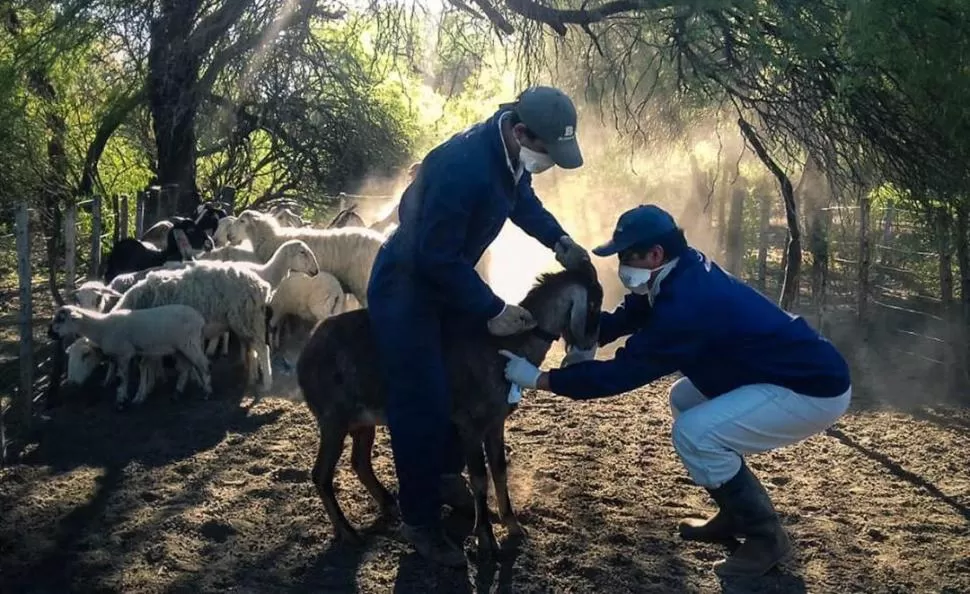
(637, 280)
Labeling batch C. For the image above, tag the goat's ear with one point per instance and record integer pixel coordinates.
(577, 315)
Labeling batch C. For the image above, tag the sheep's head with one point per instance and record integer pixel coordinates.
(64, 324)
(94, 295)
(300, 257)
(287, 217)
(221, 236)
(241, 229)
(82, 359)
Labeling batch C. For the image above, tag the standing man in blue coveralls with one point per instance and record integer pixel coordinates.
(756, 378)
(423, 285)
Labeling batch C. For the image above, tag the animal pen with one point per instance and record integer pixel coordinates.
(876, 281)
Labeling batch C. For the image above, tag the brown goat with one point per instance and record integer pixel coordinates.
(341, 383)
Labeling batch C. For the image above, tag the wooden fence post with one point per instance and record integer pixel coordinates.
(140, 213)
(70, 246)
(864, 256)
(94, 264)
(123, 217)
(25, 396)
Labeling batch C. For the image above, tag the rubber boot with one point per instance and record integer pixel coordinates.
(719, 528)
(456, 493)
(431, 543)
(766, 543)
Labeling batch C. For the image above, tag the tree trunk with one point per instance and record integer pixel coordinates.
(963, 260)
(945, 249)
(764, 226)
(735, 232)
(793, 251)
(864, 256)
(173, 70)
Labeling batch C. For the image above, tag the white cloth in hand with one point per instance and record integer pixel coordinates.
(519, 371)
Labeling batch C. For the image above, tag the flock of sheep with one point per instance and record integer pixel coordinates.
(191, 281)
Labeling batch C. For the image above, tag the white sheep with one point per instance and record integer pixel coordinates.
(292, 256)
(346, 253)
(231, 253)
(95, 295)
(229, 297)
(154, 332)
(83, 357)
(221, 235)
(313, 298)
(287, 218)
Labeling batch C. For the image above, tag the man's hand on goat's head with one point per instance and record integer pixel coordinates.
(570, 254)
(513, 319)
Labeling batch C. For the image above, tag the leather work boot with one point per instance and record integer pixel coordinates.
(431, 543)
(456, 493)
(717, 529)
(766, 543)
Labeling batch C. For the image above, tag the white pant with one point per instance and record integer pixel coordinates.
(711, 435)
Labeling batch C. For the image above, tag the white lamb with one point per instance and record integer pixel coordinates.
(292, 256)
(153, 332)
(95, 295)
(346, 253)
(83, 357)
(286, 217)
(313, 298)
(221, 236)
(229, 297)
(231, 253)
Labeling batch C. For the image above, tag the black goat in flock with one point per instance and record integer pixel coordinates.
(133, 255)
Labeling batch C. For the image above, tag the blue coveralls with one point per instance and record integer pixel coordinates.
(716, 330)
(423, 285)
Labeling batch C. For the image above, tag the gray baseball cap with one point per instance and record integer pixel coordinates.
(551, 115)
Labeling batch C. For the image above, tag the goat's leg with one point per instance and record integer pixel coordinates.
(487, 545)
(497, 463)
(225, 343)
(212, 345)
(331, 447)
(360, 459)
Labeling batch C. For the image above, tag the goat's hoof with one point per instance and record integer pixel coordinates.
(487, 548)
(350, 537)
(517, 532)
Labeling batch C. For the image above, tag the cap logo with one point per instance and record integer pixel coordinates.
(568, 133)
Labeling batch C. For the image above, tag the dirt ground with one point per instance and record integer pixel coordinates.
(215, 496)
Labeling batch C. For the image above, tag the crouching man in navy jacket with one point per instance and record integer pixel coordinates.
(424, 286)
(756, 378)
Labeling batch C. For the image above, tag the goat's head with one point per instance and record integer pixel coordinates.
(196, 237)
(64, 324)
(208, 216)
(568, 303)
(299, 257)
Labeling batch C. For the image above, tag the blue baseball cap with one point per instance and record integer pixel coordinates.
(642, 224)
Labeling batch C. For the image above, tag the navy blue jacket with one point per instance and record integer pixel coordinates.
(717, 331)
(451, 212)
